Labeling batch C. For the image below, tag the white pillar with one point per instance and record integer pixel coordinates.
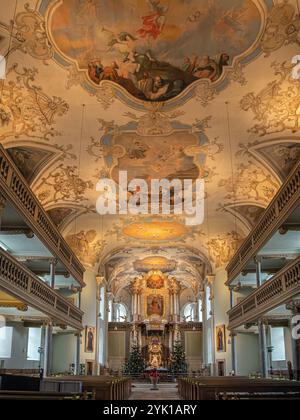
(48, 352)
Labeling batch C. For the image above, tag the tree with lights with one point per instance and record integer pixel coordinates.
(135, 363)
(178, 360)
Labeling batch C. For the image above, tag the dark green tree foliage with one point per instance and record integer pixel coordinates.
(178, 361)
(135, 363)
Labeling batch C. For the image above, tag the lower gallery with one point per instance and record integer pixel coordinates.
(197, 296)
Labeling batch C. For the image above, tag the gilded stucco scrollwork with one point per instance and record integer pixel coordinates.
(26, 109)
(250, 183)
(223, 247)
(283, 27)
(281, 154)
(276, 108)
(63, 184)
(31, 35)
(87, 245)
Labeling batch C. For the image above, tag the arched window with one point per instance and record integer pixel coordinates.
(121, 315)
(189, 313)
(208, 303)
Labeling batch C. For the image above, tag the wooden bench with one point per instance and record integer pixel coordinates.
(19, 383)
(104, 387)
(32, 395)
(212, 388)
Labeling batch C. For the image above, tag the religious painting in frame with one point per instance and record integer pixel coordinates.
(90, 333)
(155, 305)
(221, 338)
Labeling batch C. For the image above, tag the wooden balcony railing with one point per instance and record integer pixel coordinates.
(283, 204)
(20, 282)
(16, 190)
(273, 293)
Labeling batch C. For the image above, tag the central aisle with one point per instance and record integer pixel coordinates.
(142, 391)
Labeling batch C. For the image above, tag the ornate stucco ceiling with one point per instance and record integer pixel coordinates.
(235, 125)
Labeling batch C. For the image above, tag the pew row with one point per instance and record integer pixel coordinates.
(39, 395)
(218, 388)
(79, 387)
(103, 387)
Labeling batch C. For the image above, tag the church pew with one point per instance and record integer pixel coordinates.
(104, 387)
(32, 395)
(211, 388)
(19, 383)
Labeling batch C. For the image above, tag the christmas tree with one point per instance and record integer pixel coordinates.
(178, 362)
(135, 363)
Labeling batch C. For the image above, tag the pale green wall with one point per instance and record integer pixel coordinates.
(247, 347)
(64, 346)
(221, 307)
(88, 306)
(18, 358)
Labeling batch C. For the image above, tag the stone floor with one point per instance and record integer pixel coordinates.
(142, 391)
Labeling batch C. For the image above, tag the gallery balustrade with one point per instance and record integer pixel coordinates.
(15, 189)
(20, 282)
(273, 293)
(283, 204)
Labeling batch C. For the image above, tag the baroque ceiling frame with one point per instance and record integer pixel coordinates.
(109, 91)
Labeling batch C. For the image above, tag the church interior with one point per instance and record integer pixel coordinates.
(103, 304)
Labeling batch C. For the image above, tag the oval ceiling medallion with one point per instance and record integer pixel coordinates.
(156, 231)
(153, 50)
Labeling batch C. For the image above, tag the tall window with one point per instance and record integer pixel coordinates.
(101, 331)
(208, 303)
(6, 334)
(200, 310)
(189, 312)
(121, 313)
(278, 343)
(34, 343)
(110, 310)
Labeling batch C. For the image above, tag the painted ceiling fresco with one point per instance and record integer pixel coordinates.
(163, 88)
(154, 49)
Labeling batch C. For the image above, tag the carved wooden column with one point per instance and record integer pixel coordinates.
(136, 290)
(171, 308)
(175, 289)
(294, 307)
